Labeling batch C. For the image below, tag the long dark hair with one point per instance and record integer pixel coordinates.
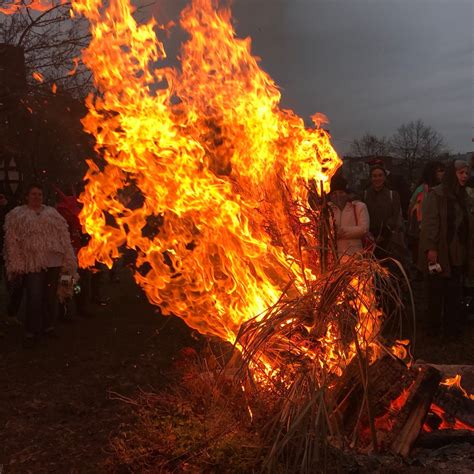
(428, 175)
(450, 184)
(455, 193)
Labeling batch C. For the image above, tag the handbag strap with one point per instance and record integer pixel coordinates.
(355, 213)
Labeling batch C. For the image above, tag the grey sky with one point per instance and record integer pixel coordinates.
(369, 65)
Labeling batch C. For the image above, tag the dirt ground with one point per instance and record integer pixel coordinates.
(58, 403)
(57, 406)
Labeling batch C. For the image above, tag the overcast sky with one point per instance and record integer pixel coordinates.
(369, 65)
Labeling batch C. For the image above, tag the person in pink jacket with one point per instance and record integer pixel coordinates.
(351, 218)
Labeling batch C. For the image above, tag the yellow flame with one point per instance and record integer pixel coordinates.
(207, 149)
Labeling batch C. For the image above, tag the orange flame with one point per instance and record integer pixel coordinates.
(319, 119)
(388, 419)
(447, 423)
(206, 151)
(75, 61)
(37, 76)
(456, 382)
(401, 349)
(38, 5)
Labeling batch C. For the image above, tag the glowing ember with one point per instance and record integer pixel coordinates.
(447, 422)
(206, 151)
(387, 420)
(37, 76)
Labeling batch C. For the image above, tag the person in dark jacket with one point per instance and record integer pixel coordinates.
(443, 251)
(468, 299)
(384, 209)
(432, 175)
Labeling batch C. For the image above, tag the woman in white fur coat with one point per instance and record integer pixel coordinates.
(351, 218)
(37, 248)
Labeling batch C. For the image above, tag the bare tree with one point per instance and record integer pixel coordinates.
(416, 143)
(370, 145)
(43, 83)
(42, 86)
(52, 41)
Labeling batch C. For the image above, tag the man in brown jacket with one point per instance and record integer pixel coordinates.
(443, 252)
(385, 214)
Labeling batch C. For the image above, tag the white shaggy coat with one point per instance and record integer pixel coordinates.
(31, 237)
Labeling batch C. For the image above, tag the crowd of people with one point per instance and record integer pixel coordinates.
(434, 242)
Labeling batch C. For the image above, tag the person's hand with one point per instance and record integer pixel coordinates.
(432, 256)
(3, 200)
(341, 233)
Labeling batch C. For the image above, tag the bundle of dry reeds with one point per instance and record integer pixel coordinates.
(294, 354)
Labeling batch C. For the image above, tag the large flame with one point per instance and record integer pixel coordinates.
(206, 151)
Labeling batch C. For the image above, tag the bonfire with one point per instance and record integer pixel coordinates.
(225, 238)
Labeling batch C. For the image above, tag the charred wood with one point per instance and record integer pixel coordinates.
(439, 438)
(448, 371)
(412, 415)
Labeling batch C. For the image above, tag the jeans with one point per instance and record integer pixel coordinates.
(41, 300)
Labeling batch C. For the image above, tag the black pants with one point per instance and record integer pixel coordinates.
(15, 288)
(445, 313)
(82, 299)
(397, 320)
(41, 300)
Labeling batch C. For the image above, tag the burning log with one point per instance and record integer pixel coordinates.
(439, 438)
(465, 373)
(386, 378)
(411, 417)
(453, 404)
(453, 409)
(399, 399)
